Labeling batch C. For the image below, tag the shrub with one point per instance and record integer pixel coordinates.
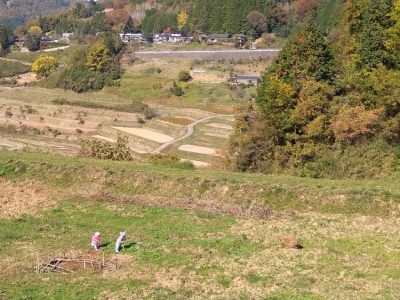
(176, 90)
(170, 160)
(44, 65)
(103, 150)
(81, 80)
(184, 76)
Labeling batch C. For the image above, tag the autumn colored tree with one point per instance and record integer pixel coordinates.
(35, 30)
(120, 20)
(258, 21)
(305, 8)
(44, 66)
(329, 103)
(182, 19)
(98, 58)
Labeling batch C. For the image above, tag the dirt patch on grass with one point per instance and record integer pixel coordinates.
(201, 150)
(26, 78)
(220, 126)
(146, 134)
(177, 120)
(25, 197)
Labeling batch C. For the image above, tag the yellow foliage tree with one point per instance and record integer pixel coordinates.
(182, 19)
(35, 30)
(44, 65)
(98, 58)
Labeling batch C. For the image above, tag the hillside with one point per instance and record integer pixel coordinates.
(193, 234)
(18, 12)
(329, 104)
(230, 16)
(236, 173)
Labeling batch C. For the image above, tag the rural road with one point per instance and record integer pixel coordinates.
(230, 54)
(190, 130)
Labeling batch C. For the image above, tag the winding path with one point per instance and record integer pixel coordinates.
(190, 130)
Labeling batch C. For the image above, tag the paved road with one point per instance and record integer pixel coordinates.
(190, 130)
(212, 55)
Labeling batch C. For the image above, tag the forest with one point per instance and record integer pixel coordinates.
(18, 12)
(229, 16)
(329, 105)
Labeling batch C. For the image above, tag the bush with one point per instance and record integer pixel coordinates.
(82, 80)
(104, 150)
(44, 65)
(171, 160)
(176, 90)
(184, 76)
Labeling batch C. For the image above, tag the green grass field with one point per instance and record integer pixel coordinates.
(197, 233)
(9, 69)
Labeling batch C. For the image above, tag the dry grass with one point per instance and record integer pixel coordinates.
(26, 197)
(177, 120)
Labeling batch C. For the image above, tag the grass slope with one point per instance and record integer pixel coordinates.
(9, 69)
(349, 229)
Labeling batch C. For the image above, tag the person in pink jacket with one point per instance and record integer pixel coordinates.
(96, 241)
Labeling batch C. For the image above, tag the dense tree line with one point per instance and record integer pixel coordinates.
(18, 12)
(329, 105)
(227, 16)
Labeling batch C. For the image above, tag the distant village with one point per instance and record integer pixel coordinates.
(167, 36)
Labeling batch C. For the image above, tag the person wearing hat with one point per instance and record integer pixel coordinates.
(120, 241)
(96, 241)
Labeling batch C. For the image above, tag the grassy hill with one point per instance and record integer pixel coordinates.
(194, 233)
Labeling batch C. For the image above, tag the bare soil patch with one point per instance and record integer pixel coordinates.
(25, 197)
(26, 78)
(147, 134)
(220, 126)
(201, 150)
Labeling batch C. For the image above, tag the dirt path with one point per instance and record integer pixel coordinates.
(190, 130)
(16, 61)
(55, 49)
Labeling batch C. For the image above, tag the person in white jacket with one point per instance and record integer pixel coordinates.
(120, 241)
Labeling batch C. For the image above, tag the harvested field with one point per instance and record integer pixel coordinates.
(147, 134)
(200, 150)
(220, 126)
(104, 138)
(217, 135)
